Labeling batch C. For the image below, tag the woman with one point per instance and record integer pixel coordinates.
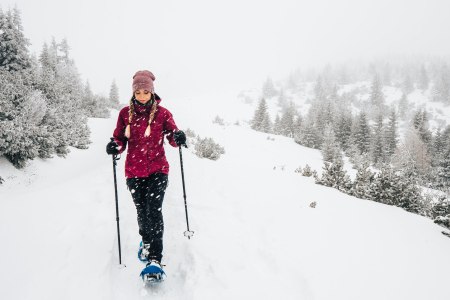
(142, 125)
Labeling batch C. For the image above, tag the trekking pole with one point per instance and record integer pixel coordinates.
(115, 159)
(187, 233)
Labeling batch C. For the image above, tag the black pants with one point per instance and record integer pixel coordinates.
(148, 195)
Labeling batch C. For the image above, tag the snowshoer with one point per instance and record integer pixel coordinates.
(142, 127)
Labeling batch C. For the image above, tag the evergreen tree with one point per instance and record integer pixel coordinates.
(22, 109)
(319, 90)
(331, 151)
(444, 170)
(268, 89)
(438, 147)
(308, 136)
(277, 126)
(298, 122)
(334, 175)
(382, 187)
(391, 135)
(361, 134)
(344, 130)
(282, 100)
(63, 48)
(114, 95)
(420, 122)
(376, 96)
(377, 144)
(287, 121)
(403, 106)
(363, 180)
(13, 46)
(441, 90)
(404, 192)
(261, 120)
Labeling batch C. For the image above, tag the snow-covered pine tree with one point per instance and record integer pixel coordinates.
(268, 89)
(330, 149)
(287, 121)
(334, 175)
(376, 96)
(298, 122)
(441, 87)
(444, 170)
(391, 135)
(407, 194)
(22, 109)
(362, 182)
(343, 130)
(420, 122)
(13, 46)
(403, 106)
(308, 135)
(261, 120)
(277, 126)
(382, 187)
(361, 133)
(114, 95)
(282, 100)
(377, 141)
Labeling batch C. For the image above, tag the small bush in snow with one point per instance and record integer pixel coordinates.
(335, 176)
(307, 171)
(218, 120)
(298, 170)
(207, 148)
(1, 180)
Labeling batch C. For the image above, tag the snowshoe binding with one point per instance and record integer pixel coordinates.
(153, 273)
(144, 250)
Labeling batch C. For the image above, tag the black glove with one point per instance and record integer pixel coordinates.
(180, 138)
(112, 148)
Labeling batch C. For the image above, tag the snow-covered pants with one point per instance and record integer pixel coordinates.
(148, 195)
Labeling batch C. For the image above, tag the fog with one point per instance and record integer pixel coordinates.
(202, 47)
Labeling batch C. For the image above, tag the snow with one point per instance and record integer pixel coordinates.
(256, 237)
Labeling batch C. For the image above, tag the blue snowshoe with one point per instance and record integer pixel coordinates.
(144, 250)
(153, 272)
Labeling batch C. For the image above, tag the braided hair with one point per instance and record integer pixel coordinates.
(154, 106)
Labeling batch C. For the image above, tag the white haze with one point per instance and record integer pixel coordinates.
(220, 47)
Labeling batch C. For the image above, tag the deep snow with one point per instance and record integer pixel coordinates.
(256, 237)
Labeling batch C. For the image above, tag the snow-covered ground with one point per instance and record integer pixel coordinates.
(256, 237)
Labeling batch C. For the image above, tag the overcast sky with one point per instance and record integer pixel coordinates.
(207, 47)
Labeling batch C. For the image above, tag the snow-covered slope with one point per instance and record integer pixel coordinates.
(256, 237)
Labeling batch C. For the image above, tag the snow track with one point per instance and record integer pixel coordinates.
(255, 235)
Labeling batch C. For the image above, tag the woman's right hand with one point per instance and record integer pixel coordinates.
(112, 148)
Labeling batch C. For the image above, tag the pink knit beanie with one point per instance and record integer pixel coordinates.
(143, 80)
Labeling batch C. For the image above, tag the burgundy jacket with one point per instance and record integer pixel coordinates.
(145, 155)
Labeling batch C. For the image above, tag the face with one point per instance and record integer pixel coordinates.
(143, 96)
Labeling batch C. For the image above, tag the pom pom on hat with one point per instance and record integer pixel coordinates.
(143, 80)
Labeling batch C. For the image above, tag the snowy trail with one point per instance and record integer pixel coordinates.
(251, 222)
